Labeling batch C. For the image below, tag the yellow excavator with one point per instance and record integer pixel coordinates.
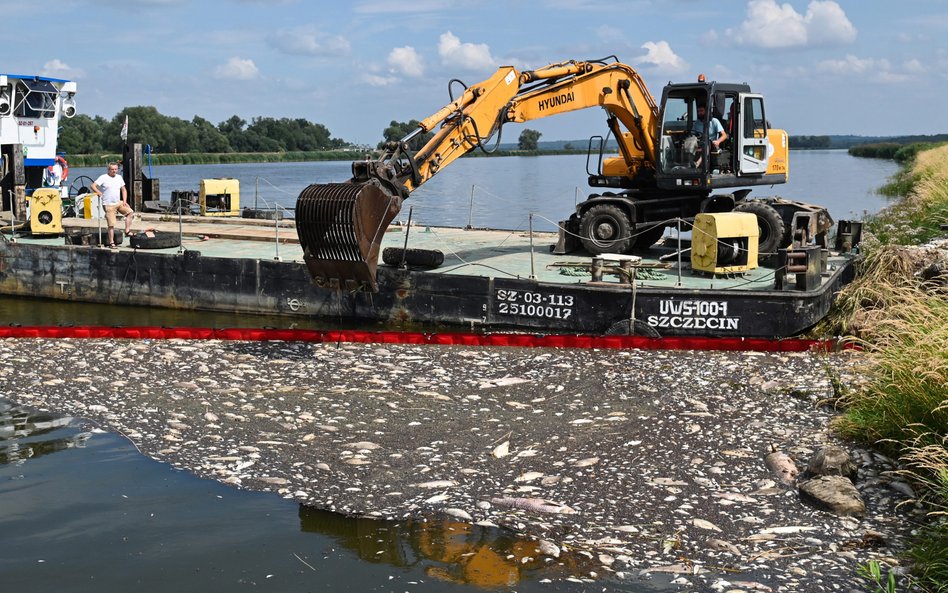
(660, 174)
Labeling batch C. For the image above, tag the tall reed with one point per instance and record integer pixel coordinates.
(902, 321)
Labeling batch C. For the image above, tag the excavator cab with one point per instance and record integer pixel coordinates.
(753, 154)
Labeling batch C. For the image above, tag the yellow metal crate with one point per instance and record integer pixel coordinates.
(220, 197)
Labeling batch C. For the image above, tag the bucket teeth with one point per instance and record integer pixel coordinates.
(340, 227)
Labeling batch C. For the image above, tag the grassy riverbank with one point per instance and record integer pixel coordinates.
(902, 320)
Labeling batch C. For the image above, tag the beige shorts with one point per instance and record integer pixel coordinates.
(120, 208)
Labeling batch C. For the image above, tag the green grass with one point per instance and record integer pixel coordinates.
(902, 405)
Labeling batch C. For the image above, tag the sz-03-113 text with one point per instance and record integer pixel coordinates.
(534, 304)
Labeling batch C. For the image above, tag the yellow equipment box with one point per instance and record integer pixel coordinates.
(90, 205)
(46, 212)
(220, 197)
(724, 242)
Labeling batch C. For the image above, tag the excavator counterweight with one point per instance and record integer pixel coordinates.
(340, 226)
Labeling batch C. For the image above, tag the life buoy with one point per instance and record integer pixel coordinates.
(61, 161)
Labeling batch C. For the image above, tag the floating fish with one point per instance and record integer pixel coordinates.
(781, 464)
(436, 484)
(501, 450)
(538, 505)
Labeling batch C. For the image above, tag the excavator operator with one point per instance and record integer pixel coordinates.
(716, 134)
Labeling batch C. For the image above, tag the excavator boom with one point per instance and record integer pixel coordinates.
(340, 226)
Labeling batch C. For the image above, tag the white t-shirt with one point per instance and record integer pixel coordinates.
(111, 188)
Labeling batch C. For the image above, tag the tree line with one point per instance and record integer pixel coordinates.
(166, 134)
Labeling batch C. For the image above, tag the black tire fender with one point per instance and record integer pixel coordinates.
(415, 258)
(91, 237)
(161, 240)
(626, 327)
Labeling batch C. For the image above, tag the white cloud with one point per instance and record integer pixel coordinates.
(827, 24)
(469, 56)
(773, 26)
(661, 56)
(237, 69)
(867, 69)
(407, 61)
(308, 41)
(58, 69)
(377, 80)
(914, 66)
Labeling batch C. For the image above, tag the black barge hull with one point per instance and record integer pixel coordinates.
(257, 286)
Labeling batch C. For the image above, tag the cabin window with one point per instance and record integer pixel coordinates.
(35, 98)
(755, 126)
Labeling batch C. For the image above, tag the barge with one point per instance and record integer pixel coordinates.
(490, 280)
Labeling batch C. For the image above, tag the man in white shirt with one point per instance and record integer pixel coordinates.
(111, 188)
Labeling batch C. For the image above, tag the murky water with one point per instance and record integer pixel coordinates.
(82, 510)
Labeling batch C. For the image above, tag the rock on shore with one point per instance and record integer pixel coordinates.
(651, 462)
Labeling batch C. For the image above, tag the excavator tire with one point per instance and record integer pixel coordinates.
(769, 223)
(645, 239)
(605, 228)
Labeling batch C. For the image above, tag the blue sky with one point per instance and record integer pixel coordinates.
(863, 67)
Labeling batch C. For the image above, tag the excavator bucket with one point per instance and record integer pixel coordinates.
(340, 227)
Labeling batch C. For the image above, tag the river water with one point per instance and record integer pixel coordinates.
(82, 510)
(507, 189)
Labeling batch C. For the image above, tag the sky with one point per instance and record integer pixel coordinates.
(864, 67)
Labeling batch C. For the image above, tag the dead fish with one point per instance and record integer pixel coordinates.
(788, 529)
(734, 496)
(436, 484)
(537, 505)
(459, 514)
(705, 524)
(722, 546)
(751, 586)
(586, 462)
(548, 548)
(364, 445)
(667, 482)
(528, 477)
(781, 464)
(677, 569)
(501, 450)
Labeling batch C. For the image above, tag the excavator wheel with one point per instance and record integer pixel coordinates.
(645, 239)
(769, 223)
(605, 228)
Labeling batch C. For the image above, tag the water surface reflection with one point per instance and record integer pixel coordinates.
(98, 516)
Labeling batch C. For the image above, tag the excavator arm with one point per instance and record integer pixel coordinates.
(341, 225)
